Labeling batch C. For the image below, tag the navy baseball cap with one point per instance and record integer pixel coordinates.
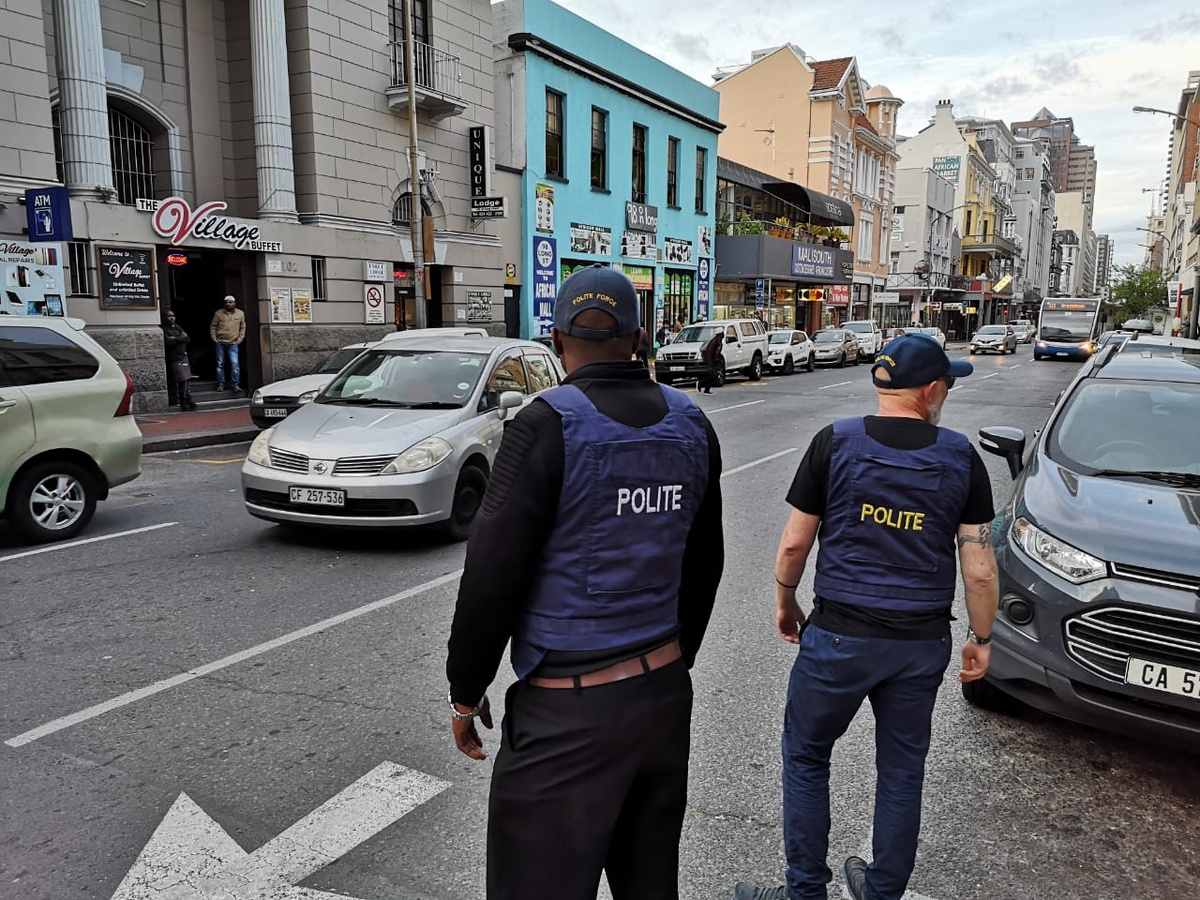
(913, 360)
(597, 287)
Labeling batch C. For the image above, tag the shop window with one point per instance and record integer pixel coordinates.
(701, 177)
(599, 149)
(677, 297)
(79, 257)
(554, 134)
(673, 172)
(638, 194)
(318, 278)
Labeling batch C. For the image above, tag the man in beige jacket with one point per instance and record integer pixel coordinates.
(228, 330)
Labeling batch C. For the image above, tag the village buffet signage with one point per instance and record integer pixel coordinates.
(175, 220)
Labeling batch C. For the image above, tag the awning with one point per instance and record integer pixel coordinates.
(821, 207)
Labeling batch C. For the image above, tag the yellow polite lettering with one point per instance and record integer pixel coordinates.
(904, 519)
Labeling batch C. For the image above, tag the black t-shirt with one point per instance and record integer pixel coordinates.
(809, 491)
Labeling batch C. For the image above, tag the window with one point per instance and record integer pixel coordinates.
(639, 164)
(133, 168)
(554, 134)
(79, 257)
(866, 237)
(402, 210)
(599, 149)
(420, 17)
(673, 172)
(701, 177)
(509, 375)
(677, 296)
(318, 278)
(542, 374)
(30, 356)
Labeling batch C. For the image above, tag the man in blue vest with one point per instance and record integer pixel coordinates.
(597, 551)
(889, 496)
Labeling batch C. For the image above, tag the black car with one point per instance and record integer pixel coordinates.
(1099, 553)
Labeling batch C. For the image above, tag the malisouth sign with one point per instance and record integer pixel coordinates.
(190, 857)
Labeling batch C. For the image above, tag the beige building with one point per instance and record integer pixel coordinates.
(252, 147)
(817, 123)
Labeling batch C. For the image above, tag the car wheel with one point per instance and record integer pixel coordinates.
(719, 375)
(985, 695)
(756, 368)
(789, 366)
(841, 363)
(468, 497)
(811, 364)
(1037, 357)
(52, 501)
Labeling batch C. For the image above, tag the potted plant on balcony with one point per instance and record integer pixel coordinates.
(781, 227)
(836, 236)
(723, 224)
(803, 232)
(747, 225)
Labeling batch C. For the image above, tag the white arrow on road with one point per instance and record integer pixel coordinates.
(190, 857)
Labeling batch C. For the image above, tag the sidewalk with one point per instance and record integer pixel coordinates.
(203, 428)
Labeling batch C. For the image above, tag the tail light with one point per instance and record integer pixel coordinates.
(127, 400)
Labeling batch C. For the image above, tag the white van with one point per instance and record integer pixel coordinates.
(745, 351)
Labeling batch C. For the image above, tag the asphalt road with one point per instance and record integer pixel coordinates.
(242, 676)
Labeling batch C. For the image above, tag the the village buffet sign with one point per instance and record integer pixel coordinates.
(175, 220)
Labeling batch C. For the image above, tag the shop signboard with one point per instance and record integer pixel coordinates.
(479, 306)
(639, 245)
(703, 286)
(886, 297)
(593, 239)
(641, 217)
(489, 207)
(811, 261)
(376, 270)
(545, 283)
(677, 250)
(641, 276)
(48, 214)
(948, 167)
(127, 277)
(479, 144)
(839, 295)
(176, 220)
(31, 279)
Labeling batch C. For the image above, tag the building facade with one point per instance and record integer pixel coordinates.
(255, 149)
(1034, 210)
(1181, 218)
(1074, 215)
(924, 248)
(617, 158)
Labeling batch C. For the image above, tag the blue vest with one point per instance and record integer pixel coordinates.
(610, 571)
(891, 520)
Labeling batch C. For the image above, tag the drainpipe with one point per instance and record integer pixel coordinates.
(415, 217)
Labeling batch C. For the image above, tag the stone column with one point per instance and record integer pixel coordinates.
(83, 98)
(272, 112)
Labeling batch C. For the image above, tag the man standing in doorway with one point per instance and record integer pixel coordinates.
(228, 330)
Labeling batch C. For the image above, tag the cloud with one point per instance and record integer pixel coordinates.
(691, 45)
(1182, 26)
(889, 36)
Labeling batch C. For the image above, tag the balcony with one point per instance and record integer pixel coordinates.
(438, 82)
(994, 245)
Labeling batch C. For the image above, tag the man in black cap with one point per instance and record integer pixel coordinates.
(598, 550)
(889, 495)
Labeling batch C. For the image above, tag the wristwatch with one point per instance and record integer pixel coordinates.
(466, 716)
(976, 639)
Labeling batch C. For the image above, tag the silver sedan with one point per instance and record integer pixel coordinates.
(404, 435)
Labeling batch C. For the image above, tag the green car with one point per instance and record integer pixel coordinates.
(66, 433)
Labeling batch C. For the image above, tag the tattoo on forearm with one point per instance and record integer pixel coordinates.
(983, 538)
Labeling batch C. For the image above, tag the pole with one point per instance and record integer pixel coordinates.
(415, 223)
(1193, 330)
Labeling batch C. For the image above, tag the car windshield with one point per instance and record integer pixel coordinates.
(781, 337)
(426, 379)
(1066, 325)
(928, 330)
(828, 337)
(991, 330)
(1130, 427)
(337, 361)
(696, 334)
(858, 327)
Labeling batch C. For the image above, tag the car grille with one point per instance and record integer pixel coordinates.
(279, 401)
(675, 357)
(363, 507)
(1102, 640)
(362, 465)
(288, 462)
(1170, 579)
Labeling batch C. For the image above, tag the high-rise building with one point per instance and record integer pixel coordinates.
(1104, 255)
(1057, 134)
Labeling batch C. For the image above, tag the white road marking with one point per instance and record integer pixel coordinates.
(1015, 366)
(839, 384)
(993, 375)
(759, 462)
(190, 856)
(735, 406)
(200, 671)
(69, 544)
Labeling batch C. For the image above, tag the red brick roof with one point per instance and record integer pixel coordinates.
(863, 122)
(829, 72)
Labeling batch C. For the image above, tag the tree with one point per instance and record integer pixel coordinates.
(1137, 290)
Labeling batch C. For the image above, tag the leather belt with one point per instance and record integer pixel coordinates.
(630, 668)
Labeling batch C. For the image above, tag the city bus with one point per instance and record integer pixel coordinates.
(1067, 328)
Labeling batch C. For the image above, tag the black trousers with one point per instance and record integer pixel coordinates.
(587, 781)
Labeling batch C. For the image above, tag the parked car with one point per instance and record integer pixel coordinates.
(745, 351)
(1024, 330)
(280, 399)
(994, 339)
(870, 338)
(893, 333)
(787, 349)
(1096, 547)
(1158, 344)
(66, 433)
(835, 347)
(934, 332)
(405, 435)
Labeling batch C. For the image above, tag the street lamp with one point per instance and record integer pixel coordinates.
(1165, 112)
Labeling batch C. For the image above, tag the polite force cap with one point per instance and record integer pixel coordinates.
(912, 360)
(597, 287)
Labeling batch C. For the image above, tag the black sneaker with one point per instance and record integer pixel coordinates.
(744, 891)
(855, 871)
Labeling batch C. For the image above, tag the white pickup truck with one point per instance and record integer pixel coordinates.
(745, 351)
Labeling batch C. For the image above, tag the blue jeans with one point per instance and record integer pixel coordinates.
(831, 677)
(234, 353)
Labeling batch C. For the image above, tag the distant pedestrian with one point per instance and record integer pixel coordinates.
(228, 330)
(179, 368)
(713, 356)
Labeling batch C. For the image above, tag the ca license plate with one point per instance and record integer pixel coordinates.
(675, 368)
(1158, 677)
(316, 496)
(275, 413)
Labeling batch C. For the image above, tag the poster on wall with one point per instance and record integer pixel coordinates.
(639, 245)
(302, 306)
(479, 306)
(703, 282)
(126, 276)
(677, 250)
(591, 239)
(545, 283)
(31, 279)
(543, 208)
(704, 239)
(281, 305)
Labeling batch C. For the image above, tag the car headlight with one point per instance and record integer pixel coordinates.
(1057, 556)
(260, 453)
(420, 456)
(257, 398)
(307, 397)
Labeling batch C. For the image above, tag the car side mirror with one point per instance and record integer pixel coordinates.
(1006, 441)
(509, 400)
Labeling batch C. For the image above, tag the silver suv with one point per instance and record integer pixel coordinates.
(66, 433)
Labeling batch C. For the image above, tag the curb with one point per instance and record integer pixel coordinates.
(167, 442)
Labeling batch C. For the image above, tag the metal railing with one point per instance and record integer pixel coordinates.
(433, 70)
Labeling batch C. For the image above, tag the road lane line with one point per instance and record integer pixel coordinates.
(993, 375)
(759, 462)
(839, 384)
(200, 671)
(1015, 366)
(91, 540)
(735, 406)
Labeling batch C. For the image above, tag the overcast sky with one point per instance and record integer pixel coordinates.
(1004, 61)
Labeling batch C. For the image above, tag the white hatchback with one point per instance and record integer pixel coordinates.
(787, 349)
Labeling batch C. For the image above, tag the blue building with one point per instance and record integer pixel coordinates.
(616, 155)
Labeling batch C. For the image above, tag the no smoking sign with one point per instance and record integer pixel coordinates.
(373, 302)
